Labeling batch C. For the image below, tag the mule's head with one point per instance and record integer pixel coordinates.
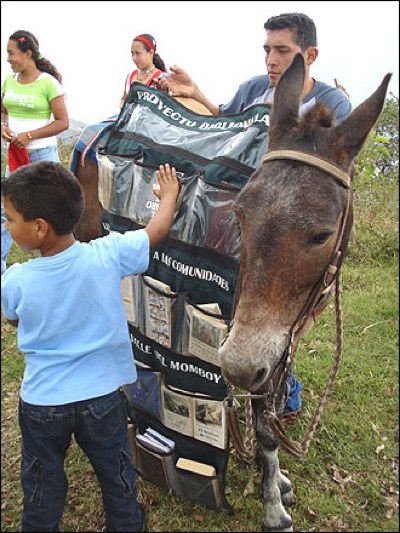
(295, 219)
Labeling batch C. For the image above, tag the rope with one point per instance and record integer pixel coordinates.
(246, 450)
(339, 337)
(299, 450)
(248, 440)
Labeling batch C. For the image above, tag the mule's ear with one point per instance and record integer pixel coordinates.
(355, 128)
(287, 97)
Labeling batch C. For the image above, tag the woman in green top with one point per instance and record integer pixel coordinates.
(33, 109)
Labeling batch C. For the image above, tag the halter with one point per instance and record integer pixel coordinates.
(317, 297)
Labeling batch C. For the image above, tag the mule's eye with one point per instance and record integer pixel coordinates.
(321, 238)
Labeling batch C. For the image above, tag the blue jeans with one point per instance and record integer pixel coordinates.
(100, 429)
(49, 153)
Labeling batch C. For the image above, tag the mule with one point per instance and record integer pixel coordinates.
(295, 216)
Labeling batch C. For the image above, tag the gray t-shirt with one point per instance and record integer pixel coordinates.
(258, 90)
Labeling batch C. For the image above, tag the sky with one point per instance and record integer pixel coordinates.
(218, 43)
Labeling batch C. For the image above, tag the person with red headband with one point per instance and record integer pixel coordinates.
(148, 62)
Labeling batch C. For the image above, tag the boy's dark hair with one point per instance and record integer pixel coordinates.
(302, 27)
(27, 41)
(48, 190)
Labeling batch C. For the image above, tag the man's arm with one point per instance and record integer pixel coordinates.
(179, 83)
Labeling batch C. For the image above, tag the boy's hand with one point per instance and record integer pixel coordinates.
(167, 191)
(168, 184)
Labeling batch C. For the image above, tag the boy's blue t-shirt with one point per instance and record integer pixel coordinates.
(72, 323)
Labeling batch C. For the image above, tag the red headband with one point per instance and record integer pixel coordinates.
(146, 41)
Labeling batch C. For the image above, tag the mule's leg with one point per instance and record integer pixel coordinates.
(276, 519)
(276, 488)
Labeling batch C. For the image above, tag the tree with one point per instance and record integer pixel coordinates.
(379, 159)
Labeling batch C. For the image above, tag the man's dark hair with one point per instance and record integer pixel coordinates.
(302, 27)
(48, 190)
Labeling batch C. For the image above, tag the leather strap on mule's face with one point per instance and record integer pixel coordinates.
(312, 160)
(331, 270)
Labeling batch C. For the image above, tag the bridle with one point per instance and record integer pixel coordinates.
(330, 279)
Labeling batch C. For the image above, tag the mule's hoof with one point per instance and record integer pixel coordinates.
(286, 524)
(284, 530)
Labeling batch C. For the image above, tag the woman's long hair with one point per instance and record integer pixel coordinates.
(27, 41)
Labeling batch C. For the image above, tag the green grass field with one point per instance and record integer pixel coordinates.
(348, 481)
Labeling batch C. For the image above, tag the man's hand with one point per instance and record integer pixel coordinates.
(178, 83)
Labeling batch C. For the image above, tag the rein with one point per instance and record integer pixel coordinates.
(321, 290)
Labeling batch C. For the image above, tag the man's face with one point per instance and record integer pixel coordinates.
(280, 50)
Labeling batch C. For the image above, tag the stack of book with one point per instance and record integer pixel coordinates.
(155, 441)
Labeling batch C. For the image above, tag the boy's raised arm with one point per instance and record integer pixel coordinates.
(160, 225)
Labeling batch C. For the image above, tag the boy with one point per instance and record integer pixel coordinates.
(72, 328)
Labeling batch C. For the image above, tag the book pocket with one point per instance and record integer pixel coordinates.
(204, 329)
(195, 415)
(205, 490)
(163, 313)
(144, 394)
(157, 468)
(126, 187)
(212, 222)
(116, 184)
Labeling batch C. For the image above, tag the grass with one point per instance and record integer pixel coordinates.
(348, 481)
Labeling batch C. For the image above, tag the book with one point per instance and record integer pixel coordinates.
(195, 466)
(209, 493)
(158, 303)
(209, 422)
(206, 334)
(176, 411)
(152, 444)
(161, 438)
(211, 308)
(156, 467)
(196, 416)
(128, 297)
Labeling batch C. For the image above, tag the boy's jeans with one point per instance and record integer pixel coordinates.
(100, 429)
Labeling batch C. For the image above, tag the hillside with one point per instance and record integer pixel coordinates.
(74, 130)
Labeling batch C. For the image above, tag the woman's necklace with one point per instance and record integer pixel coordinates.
(143, 73)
